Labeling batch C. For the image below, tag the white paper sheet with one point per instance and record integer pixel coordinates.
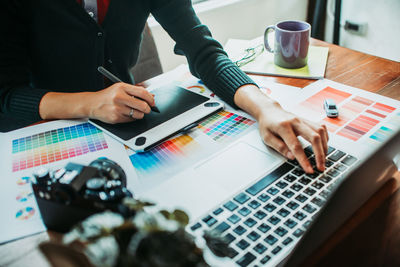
(50, 145)
(365, 119)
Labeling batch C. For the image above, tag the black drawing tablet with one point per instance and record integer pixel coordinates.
(178, 107)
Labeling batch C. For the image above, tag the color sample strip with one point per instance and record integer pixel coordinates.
(384, 107)
(358, 127)
(347, 112)
(395, 120)
(224, 125)
(381, 134)
(375, 113)
(357, 104)
(56, 145)
(316, 101)
(164, 155)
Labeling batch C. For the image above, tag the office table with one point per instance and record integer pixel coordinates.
(371, 236)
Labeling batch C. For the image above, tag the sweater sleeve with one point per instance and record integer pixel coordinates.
(206, 57)
(17, 97)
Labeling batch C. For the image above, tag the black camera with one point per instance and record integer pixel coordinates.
(69, 195)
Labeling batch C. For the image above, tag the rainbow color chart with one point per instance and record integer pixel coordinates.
(183, 150)
(56, 145)
(224, 125)
(164, 155)
(357, 115)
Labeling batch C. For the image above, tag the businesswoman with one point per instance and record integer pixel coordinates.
(50, 51)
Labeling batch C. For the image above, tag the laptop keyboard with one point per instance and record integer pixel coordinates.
(272, 214)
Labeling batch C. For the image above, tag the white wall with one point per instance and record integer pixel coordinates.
(241, 19)
(382, 37)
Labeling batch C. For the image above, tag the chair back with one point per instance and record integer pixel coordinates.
(148, 64)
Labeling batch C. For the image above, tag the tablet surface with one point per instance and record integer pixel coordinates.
(178, 108)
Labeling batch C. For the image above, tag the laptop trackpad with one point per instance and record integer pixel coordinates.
(236, 167)
(204, 186)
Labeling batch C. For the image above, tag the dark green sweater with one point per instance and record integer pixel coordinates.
(53, 45)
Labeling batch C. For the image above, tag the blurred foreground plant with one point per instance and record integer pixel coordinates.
(155, 239)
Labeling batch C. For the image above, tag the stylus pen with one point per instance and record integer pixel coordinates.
(115, 79)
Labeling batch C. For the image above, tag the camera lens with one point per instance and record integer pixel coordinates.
(109, 169)
(119, 193)
(95, 183)
(113, 183)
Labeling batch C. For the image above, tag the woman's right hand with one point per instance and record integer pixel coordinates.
(114, 104)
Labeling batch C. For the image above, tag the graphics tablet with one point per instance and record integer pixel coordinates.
(179, 109)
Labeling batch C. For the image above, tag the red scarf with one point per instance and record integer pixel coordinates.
(102, 7)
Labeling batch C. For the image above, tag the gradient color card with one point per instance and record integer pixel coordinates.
(56, 145)
(224, 125)
(165, 155)
(357, 115)
(381, 134)
(386, 130)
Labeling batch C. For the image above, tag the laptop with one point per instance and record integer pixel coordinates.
(269, 210)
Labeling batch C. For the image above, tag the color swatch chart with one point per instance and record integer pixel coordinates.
(165, 155)
(20, 214)
(386, 130)
(24, 198)
(25, 213)
(224, 125)
(357, 115)
(56, 145)
(197, 86)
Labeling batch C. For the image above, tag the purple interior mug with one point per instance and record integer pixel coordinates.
(292, 39)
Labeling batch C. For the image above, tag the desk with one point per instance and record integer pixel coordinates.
(371, 236)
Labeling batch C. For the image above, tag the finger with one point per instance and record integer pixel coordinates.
(295, 147)
(325, 138)
(326, 133)
(133, 113)
(316, 140)
(138, 115)
(322, 131)
(137, 104)
(119, 115)
(140, 92)
(276, 143)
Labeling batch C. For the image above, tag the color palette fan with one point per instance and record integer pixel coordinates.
(56, 145)
(164, 155)
(224, 125)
